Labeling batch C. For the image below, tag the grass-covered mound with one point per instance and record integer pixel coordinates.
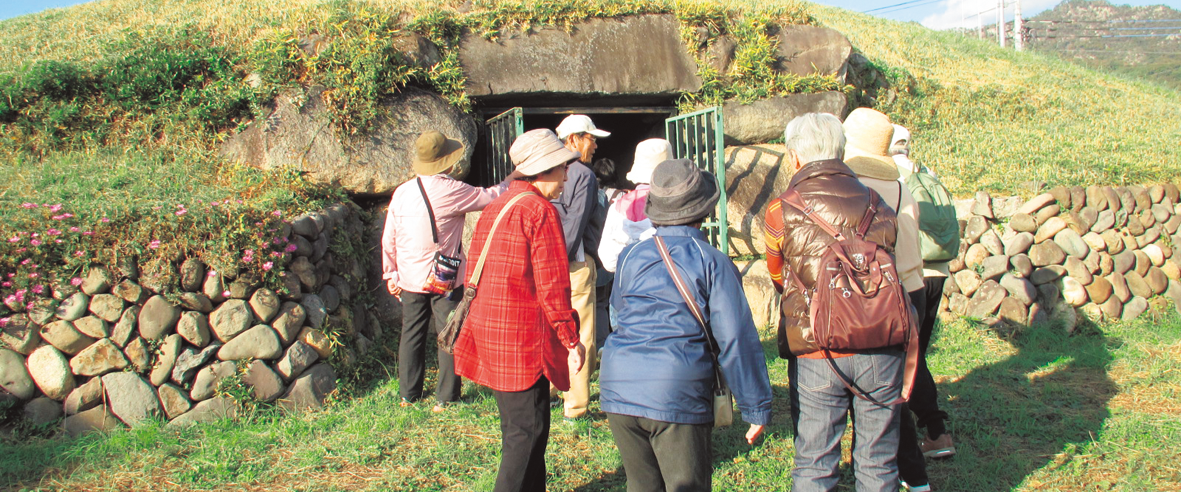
(992, 119)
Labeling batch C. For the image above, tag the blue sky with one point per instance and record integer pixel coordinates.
(936, 14)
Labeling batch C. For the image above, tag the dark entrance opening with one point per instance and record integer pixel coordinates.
(628, 126)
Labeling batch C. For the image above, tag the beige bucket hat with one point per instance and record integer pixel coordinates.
(435, 153)
(867, 144)
(538, 151)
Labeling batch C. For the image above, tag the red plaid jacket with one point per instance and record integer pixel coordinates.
(520, 325)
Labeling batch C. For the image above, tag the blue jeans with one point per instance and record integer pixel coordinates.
(819, 407)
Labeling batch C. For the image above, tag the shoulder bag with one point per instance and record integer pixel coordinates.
(723, 399)
(450, 332)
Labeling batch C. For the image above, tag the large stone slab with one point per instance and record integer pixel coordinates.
(298, 133)
(763, 120)
(194, 328)
(988, 297)
(131, 398)
(298, 358)
(807, 50)
(173, 400)
(107, 306)
(169, 350)
(599, 56)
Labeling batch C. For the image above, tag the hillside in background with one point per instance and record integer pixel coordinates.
(91, 83)
(1140, 41)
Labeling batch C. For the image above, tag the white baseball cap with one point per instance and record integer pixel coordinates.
(579, 123)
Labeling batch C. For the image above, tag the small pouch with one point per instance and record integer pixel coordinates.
(444, 271)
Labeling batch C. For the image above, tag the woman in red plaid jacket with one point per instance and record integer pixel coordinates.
(521, 333)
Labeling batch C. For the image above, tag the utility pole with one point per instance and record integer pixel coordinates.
(1000, 22)
(1018, 31)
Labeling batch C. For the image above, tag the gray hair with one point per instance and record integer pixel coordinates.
(815, 137)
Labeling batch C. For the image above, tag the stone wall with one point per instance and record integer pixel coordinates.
(117, 351)
(1101, 251)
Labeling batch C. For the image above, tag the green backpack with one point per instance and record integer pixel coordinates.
(939, 230)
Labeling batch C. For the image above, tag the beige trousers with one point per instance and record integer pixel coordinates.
(582, 299)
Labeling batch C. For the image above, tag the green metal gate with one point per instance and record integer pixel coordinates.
(698, 137)
(502, 129)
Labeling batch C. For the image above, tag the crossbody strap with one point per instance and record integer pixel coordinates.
(475, 280)
(796, 201)
(430, 211)
(693, 307)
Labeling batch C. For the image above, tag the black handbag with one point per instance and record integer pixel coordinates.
(450, 331)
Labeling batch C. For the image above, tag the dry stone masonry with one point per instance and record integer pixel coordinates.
(1101, 251)
(117, 352)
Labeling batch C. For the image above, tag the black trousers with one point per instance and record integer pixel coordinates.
(524, 432)
(924, 400)
(418, 310)
(912, 467)
(663, 456)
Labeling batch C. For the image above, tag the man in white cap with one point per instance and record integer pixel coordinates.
(582, 224)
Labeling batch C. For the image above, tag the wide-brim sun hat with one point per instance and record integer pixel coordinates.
(649, 154)
(579, 123)
(681, 193)
(434, 153)
(868, 134)
(538, 151)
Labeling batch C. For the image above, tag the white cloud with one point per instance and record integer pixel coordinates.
(963, 13)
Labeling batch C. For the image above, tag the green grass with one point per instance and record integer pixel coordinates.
(1041, 410)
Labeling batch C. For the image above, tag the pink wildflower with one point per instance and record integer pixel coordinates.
(74, 229)
(211, 273)
(104, 220)
(53, 232)
(181, 212)
(267, 266)
(79, 254)
(55, 208)
(276, 254)
(25, 261)
(87, 233)
(277, 213)
(76, 281)
(154, 244)
(38, 289)
(35, 242)
(4, 321)
(58, 241)
(214, 203)
(34, 275)
(225, 293)
(14, 239)
(6, 284)
(29, 205)
(11, 299)
(291, 248)
(21, 250)
(10, 275)
(30, 306)
(156, 208)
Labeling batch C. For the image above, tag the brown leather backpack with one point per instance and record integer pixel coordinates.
(858, 301)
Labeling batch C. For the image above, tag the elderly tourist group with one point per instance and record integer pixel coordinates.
(562, 272)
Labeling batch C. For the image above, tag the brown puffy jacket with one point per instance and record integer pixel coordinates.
(836, 194)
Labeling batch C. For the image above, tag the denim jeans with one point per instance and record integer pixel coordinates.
(819, 410)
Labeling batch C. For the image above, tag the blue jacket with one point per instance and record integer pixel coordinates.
(656, 363)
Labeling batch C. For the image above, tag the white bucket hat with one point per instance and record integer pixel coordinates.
(649, 153)
(579, 123)
(538, 151)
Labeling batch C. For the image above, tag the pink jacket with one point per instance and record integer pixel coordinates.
(406, 246)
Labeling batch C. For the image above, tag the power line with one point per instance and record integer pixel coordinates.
(912, 6)
(892, 6)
